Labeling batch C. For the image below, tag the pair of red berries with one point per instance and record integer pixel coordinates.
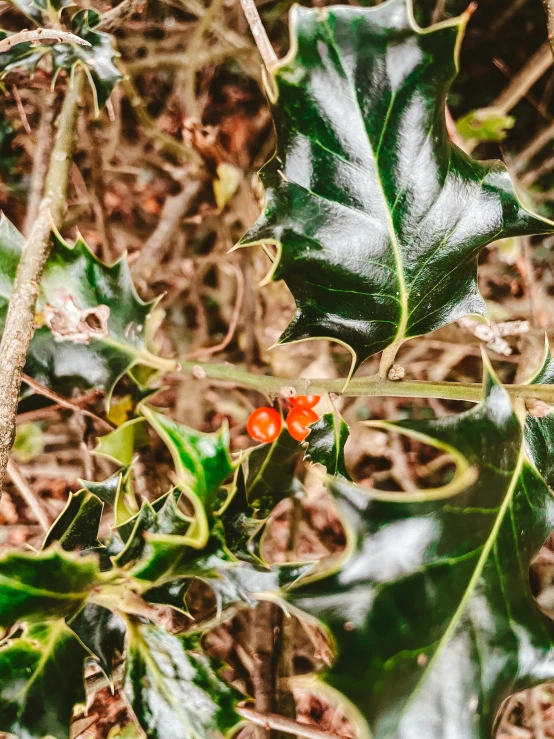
(264, 424)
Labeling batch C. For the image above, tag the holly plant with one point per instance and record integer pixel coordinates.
(375, 221)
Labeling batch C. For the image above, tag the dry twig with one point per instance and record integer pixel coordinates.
(27, 493)
(19, 326)
(263, 43)
(41, 34)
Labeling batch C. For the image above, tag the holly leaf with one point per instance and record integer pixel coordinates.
(95, 321)
(41, 679)
(325, 444)
(269, 473)
(202, 463)
(102, 632)
(170, 594)
(377, 217)
(49, 584)
(175, 693)
(146, 520)
(77, 525)
(118, 492)
(98, 60)
(432, 613)
(238, 521)
(106, 489)
(120, 445)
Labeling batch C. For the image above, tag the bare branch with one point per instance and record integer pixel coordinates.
(19, 326)
(45, 140)
(524, 80)
(263, 43)
(173, 212)
(28, 494)
(41, 34)
(64, 402)
(112, 19)
(549, 10)
(288, 725)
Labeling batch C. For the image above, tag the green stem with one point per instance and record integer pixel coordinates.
(370, 386)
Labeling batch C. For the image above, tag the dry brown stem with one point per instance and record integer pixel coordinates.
(19, 326)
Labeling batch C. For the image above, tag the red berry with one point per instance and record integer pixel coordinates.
(298, 421)
(264, 424)
(305, 401)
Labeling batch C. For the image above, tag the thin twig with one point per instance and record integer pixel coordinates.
(41, 34)
(112, 19)
(543, 138)
(27, 493)
(537, 301)
(19, 325)
(208, 351)
(524, 80)
(504, 17)
(288, 725)
(267, 52)
(21, 109)
(64, 402)
(45, 139)
(173, 212)
(549, 10)
(161, 140)
(373, 386)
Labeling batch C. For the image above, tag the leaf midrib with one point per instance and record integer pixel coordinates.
(49, 649)
(401, 329)
(487, 549)
(31, 590)
(149, 660)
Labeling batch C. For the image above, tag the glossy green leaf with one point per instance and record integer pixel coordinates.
(41, 678)
(202, 464)
(202, 461)
(170, 566)
(269, 473)
(98, 60)
(135, 544)
(164, 520)
(118, 492)
(49, 584)
(175, 693)
(102, 632)
(325, 443)
(170, 594)
(77, 525)
(78, 291)
(106, 489)
(239, 584)
(377, 217)
(120, 445)
(431, 609)
(238, 520)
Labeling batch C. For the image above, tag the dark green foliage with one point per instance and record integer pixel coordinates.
(377, 216)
